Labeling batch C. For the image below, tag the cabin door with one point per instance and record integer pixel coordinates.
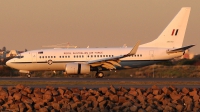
(34, 57)
(151, 54)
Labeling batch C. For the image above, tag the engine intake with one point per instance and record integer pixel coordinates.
(77, 68)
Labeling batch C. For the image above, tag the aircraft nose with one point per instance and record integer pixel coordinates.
(8, 63)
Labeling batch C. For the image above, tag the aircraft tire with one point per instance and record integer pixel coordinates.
(99, 75)
(29, 75)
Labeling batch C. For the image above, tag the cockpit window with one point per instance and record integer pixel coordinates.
(19, 56)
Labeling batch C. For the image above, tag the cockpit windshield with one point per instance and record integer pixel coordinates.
(19, 56)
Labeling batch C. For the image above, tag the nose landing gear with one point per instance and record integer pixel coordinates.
(29, 75)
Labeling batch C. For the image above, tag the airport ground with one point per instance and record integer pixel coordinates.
(160, 75)
(153, 89)
(101, 82)
(153, 71)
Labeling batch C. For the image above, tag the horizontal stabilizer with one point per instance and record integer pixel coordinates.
(180, 49)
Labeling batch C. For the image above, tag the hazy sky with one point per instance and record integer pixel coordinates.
(98, 23)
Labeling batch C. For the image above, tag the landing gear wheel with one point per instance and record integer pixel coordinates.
(99, 75)
(29, 75)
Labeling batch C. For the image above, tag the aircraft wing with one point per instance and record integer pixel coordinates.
(180, 49)
(111, 62)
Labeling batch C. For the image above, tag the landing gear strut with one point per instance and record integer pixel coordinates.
(99, 75)
(29, 75)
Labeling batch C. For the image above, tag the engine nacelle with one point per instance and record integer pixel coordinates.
(77, 68)
(24, 71)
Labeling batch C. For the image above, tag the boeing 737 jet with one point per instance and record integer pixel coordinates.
(167, 46)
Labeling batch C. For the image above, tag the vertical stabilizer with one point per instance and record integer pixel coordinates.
(173, 35)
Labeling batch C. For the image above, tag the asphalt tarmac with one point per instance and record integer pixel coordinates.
(103, 80)
(100, 79)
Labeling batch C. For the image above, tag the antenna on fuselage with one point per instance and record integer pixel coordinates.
(125, 46)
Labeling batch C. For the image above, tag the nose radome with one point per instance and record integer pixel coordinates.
(8, 63)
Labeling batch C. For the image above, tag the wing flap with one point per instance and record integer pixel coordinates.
(108, 66)
(115, 63)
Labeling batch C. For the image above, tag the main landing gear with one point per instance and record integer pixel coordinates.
(99, 75)
(29, 75)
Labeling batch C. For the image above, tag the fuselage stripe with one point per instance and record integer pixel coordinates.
(173, 32)
(176, 32)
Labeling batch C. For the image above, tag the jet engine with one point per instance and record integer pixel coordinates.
(77, 68)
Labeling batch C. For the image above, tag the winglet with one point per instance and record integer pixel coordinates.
(135, 48)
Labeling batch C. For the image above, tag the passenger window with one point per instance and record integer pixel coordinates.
(40, 56)
(60, 56)
(45, 56)
(54, 56)
(79, 56)
(103, 55)
(63, 57)
(97, 55)
(140, 55)
(51, 56)
(82, 56)
(94, 55)
(68, 56)
(100, 55)
(106, 55)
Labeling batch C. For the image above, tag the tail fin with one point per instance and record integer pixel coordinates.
(173, 35)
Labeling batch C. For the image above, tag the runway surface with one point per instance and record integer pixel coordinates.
(99, 79)
(103, 82)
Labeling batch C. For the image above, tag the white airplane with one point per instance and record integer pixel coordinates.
(83, 60)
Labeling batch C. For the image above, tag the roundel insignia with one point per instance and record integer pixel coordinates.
(49, 62)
